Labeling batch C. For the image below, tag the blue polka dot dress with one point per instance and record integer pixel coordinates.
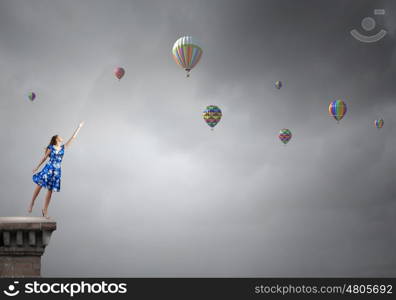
(50, 176)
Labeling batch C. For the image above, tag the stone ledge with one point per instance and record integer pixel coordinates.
(27, 223)
(22, 242)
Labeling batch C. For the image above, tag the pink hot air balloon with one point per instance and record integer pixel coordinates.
(119, 72)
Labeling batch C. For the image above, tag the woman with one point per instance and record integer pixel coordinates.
(50, 176)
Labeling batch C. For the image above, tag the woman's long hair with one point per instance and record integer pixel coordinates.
(52, 142)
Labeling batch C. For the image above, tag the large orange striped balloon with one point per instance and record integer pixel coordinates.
(186, 53)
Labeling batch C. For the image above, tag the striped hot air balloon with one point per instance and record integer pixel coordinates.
(31, 96)
(379, 123)
(119, 72)
(285, 135)
(212, 115)
(337, 109)
(186, 53)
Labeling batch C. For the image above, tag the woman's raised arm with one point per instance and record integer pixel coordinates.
(74, 134)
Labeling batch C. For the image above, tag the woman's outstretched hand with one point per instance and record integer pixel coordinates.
(74, 134)
(35, 170)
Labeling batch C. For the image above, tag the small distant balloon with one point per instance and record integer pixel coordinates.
(285, 135)
(119, 72)
(278, 84)
(337, 109)
(186, 53)
(31, 96)
(212, 115)
(379, 123)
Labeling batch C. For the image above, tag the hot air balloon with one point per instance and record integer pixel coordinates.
(186, 53)
(119, 72)
(285, 135)
(278, 84)
(379, 123)
(212, 115)
(337, 109)
(31, 96)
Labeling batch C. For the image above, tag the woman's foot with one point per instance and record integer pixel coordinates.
(44, 213)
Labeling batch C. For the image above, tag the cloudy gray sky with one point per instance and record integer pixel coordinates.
(149, 190)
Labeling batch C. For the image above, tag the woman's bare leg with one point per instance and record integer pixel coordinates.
(35, 194)
(46, 203)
